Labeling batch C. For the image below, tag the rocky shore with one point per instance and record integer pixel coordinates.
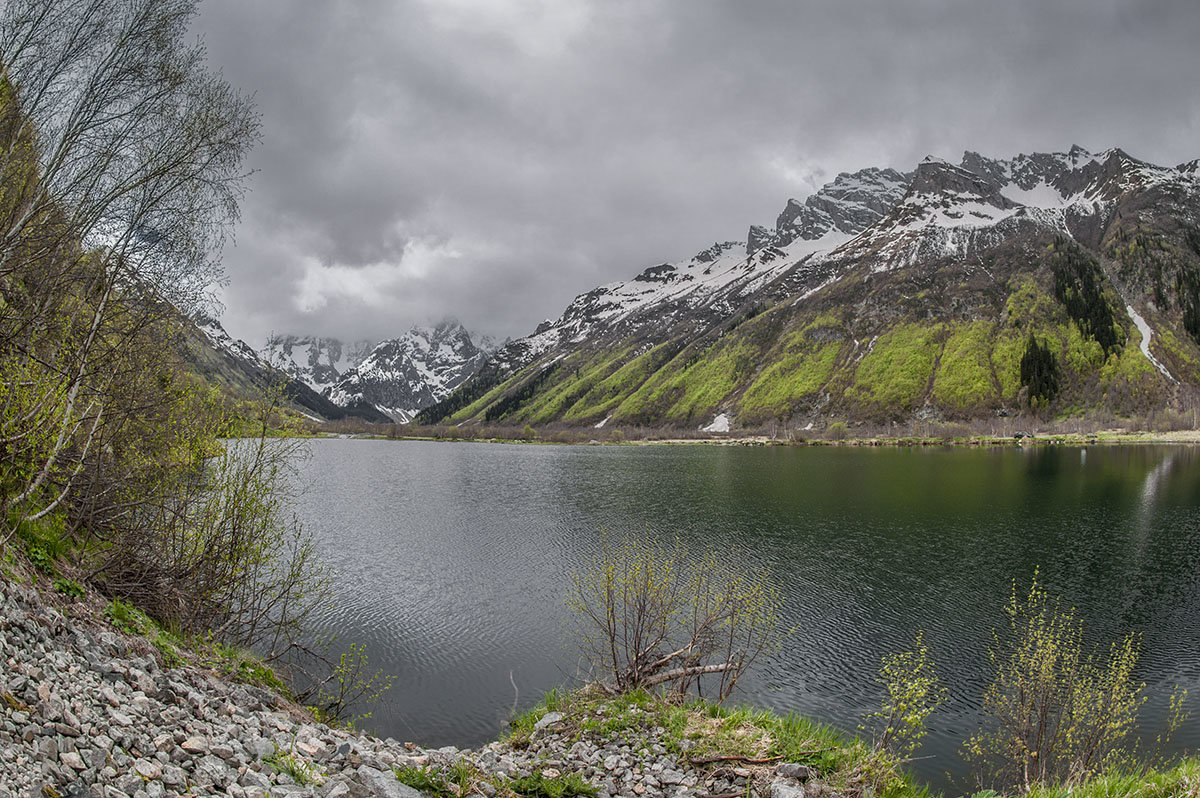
(85, 711)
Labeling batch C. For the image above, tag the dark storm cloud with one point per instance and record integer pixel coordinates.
(490, 159)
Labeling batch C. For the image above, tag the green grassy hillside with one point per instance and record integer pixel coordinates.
(940, 340)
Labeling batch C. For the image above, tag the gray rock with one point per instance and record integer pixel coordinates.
(792, 770)
(786, 789)
(548, 720)
(382, 785)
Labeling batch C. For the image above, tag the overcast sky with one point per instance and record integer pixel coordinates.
(491, 159)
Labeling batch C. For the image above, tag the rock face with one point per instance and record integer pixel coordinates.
(317, 362)
(858, 299)
(401, 376)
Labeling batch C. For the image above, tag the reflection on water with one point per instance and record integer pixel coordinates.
(455, 560)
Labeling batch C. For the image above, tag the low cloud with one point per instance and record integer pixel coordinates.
(491, 159)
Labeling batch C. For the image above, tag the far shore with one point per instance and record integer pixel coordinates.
(1101, 437)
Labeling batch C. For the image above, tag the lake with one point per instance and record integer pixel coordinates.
(455, 558)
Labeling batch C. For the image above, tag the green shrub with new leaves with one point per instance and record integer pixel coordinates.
(912, 692)
(1058, 713)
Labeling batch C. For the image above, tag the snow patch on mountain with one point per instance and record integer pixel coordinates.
(952, 209)
(715, 282)
(1144, 345)
(315, 361)
(718, 424)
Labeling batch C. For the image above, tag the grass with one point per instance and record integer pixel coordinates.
(1179, 781)
(698, 730)
(461, 778)
(688, 388)
(537, 785)
(301, 771)
(964, 375)
(426, 779)
(234, 663)
(582, 374)
(1179, 356)
(605, 396)
(801, 370)
(45, 542)
(895, 373)
(479, 405)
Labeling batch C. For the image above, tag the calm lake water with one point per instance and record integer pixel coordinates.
(455, 559)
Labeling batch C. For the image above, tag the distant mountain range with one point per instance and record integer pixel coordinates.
(402, 376)
(388, 381)
(888, 296)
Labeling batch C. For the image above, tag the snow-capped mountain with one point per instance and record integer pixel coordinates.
(233, 365)
(223, 342)
(317, 362)
(1093, 239)
(404, 375)
(953, 209)
(716, 281)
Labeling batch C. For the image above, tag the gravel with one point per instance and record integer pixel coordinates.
(82, 713)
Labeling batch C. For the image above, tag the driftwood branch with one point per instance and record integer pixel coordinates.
(679, 673)
(708, 760)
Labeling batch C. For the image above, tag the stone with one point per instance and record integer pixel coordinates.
(793, 770)
(195, 745)
(148, 769)
(72, 760)
(310, 748)
(786, 789)
(671, 777)
(548, 720)
(335, 789)
(384, 786)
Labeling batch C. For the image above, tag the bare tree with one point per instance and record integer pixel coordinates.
(651, 615)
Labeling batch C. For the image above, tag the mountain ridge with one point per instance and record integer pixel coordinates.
(963, 239)
(401, 376)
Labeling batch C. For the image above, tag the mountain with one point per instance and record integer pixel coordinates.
(887, 296)
(401, 376)
(317, 362)
(235, 367)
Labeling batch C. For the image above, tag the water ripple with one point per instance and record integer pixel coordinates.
(453, 561)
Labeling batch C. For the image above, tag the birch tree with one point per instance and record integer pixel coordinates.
(122, 161)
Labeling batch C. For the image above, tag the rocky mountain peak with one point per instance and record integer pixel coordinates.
(849, 204)
(937, 177)
(715, 251)
(314, 360)
(403, 375)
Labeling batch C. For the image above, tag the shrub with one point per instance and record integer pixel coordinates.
(912, 693)
(836, 431)
(651, 615)
(349, 684)
(1056, 713)
(69, 587)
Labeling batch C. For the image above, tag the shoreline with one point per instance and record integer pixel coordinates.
(89, 710)
(1115, 437)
